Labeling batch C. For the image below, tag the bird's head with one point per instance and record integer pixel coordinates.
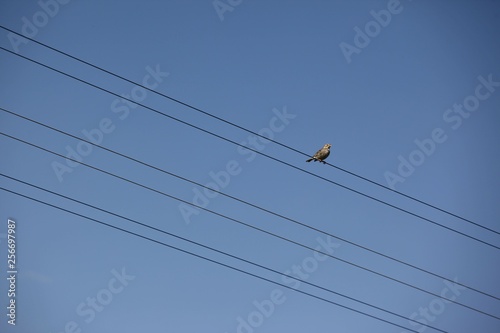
(327, 146)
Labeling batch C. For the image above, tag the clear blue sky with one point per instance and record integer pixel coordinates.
(369, 94)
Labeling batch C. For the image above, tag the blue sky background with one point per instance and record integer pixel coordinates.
(263, 56)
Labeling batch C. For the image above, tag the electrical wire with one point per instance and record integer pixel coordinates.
(204, 258)
(247, 130)
(249, 225)
(243, 201)
(218, 251)
(256, 151)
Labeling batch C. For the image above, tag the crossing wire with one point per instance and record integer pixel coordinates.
(248, 130)
(215, 250)
(249, 226)
(243, 201)
(254, 150)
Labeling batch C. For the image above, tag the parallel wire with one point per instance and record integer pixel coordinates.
(208, 259)
(218, 251)
(250, 226)
(254, 150)
(248, 130)
(244, 202)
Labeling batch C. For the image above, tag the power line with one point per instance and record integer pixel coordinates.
(218, 251)
(250, 226)
(204, 258)
(254, 150)
(248, 130)
(245, 202)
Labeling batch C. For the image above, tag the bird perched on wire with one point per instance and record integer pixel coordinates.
(321, 154)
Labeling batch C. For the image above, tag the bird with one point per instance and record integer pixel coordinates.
(321, 154)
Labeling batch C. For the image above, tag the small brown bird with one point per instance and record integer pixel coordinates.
(321, 154)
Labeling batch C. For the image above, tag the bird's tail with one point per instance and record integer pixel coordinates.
(309, 160)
